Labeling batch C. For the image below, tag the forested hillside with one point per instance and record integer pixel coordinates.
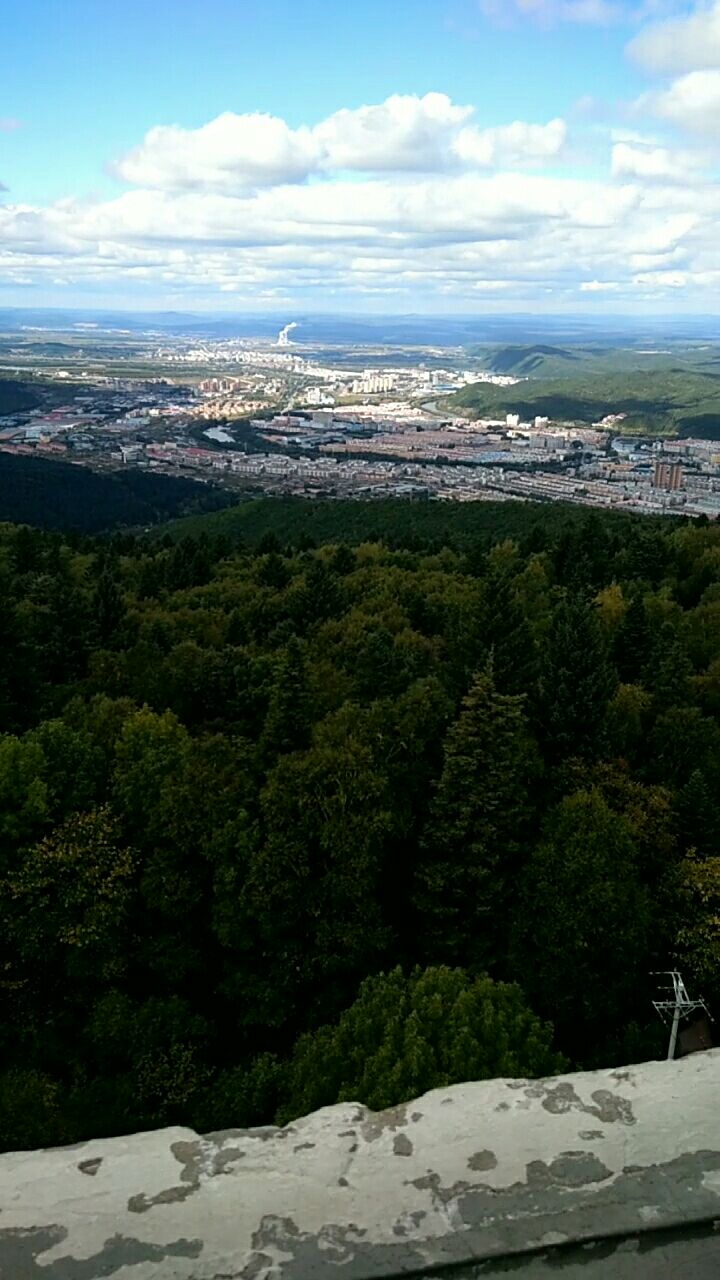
(71, 497)
(683, 400)
(521, 361)
(409, 524)
(16, 396)
(282, 826)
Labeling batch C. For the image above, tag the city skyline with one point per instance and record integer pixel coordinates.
(446, 157)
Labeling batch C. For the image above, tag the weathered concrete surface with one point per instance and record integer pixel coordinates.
(602, 1174)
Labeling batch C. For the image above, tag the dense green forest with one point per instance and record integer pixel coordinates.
(407, 524)
(284, 824)
(63, 495)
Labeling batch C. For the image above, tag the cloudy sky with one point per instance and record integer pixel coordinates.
(361, 155)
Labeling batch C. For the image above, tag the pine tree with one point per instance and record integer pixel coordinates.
(9, 645)
(287, 722)
(577, 684)
(508, 632)
(668, 670)
(478, 817)
(107, 607)
(698, 821)
(274, 571)
(632, 642)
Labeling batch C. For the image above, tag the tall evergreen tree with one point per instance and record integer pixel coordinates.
(698, 818)
(631, 645)
(8, 658)
(287, 721)
(472, 844)
(108, 608)
(577, 684)
(509, 634)
(668, 669)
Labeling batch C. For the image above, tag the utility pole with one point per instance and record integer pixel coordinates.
(679, 1005)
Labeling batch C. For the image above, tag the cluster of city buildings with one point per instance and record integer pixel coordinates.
(310, 382)
(389, 438)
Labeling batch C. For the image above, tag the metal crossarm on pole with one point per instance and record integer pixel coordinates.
(677, 1004)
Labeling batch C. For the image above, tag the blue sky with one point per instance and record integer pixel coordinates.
(543, 153)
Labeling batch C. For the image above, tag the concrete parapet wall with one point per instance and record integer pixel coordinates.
(611, 1174)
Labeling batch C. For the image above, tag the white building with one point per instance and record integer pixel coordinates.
(372, 383)
(316, 396)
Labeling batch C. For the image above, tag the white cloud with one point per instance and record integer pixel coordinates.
(230, 151)
(402, 133)
(405, 134)
(691, 102)
(514, 145)
(688, 43)
(411, 200)
(663, 279)
(687, 47)
(654, 164)
(666, 233)
(657, 261)
(634, 137)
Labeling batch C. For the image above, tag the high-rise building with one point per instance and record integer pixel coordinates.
(667, 475)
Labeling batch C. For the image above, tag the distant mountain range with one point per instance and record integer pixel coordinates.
(410, 330)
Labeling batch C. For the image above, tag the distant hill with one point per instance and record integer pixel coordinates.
(16, 397)
(300, 522)
(523, 361)
(64, 496)
(670, 401)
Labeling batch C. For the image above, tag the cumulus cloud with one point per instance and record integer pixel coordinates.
(411, 199)
(230, 151)
(688, 48)
(688, 43)
(404, 134)
(235, 152)
(653, 163)
(512, 145)
(690, 102)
